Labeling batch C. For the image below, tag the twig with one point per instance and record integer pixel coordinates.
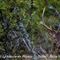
(43, 14)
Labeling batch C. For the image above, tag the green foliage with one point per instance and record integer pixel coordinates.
(32, 23)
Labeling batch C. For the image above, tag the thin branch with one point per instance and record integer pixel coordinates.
(43, 50)
(43, 14)
(46, 2)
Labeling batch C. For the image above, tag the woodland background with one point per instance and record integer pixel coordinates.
(30, 12)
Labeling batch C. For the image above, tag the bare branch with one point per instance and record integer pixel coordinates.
(46, 2)
(43, 14)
